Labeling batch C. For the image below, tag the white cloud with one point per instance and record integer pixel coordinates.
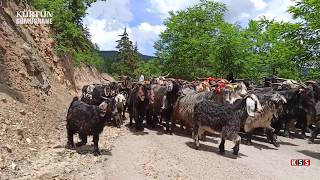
(238, 10)
(164, 6)
(114, 11)
(259, 4)
(145, 35)
(106, 21)
(104, 37)
(277, 9)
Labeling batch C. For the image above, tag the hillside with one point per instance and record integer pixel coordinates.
(111, 55)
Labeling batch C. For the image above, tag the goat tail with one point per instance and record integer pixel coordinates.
(75, 99)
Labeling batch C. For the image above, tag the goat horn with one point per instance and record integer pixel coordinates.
(166, 75)
(104, 98)
(281, 79)
(310, 82)
(201, 78)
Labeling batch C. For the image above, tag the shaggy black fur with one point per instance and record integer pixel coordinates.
(137, 104)
(171, 98)
(315, 132)
(87, 120)
(225, 119)
(299, 108)
(154, 108)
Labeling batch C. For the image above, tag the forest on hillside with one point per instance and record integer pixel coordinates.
(198, 42)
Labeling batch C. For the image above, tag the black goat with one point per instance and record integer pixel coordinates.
(87, 120)
(137, 105)
(224, 119)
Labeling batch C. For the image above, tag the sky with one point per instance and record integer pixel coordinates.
(144, 18)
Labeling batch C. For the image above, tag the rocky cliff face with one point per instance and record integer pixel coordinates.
(36, 87)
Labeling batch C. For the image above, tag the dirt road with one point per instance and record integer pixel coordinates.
(154, 155)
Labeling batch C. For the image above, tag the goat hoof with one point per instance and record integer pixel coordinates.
(276, 144)
(310, 141)
(236, 150)
(96, 153)
(69, 146)
(197, 148)
(222, 151)
(286, 134)
(248, 143)
(203, 138)
(80, 144)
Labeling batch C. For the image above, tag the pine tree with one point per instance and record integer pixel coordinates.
(127, 57)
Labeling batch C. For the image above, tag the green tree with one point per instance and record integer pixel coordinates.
(307, 36)
(268, 51)
(149, 69)
(69, 33)
(188, 45)
(127, 57)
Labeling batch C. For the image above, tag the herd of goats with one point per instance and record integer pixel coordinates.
(201, 107)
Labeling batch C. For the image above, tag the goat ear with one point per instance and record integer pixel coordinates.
(250, 106)
(284, 99)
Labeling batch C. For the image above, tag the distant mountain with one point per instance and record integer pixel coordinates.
(111, 55)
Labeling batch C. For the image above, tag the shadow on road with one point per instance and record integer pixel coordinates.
(312, 154)
(316, 142)
(87, 149)
(287, 144)
(204, 147)
(133, 130)
(262, 146)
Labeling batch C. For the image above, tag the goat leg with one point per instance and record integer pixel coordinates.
(315, 132)
(237, 142)
(221, 146)
(168, 120)
(83, 141)
(124, 111)
(130, 117)
(288, 124)
(271, 136)
(304, 129)
(96, 150)
(248, 137)
(195, 135)
(70, 144)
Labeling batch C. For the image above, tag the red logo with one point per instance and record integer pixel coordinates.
(300, 162)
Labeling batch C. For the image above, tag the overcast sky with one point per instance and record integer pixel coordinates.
(143, 18)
